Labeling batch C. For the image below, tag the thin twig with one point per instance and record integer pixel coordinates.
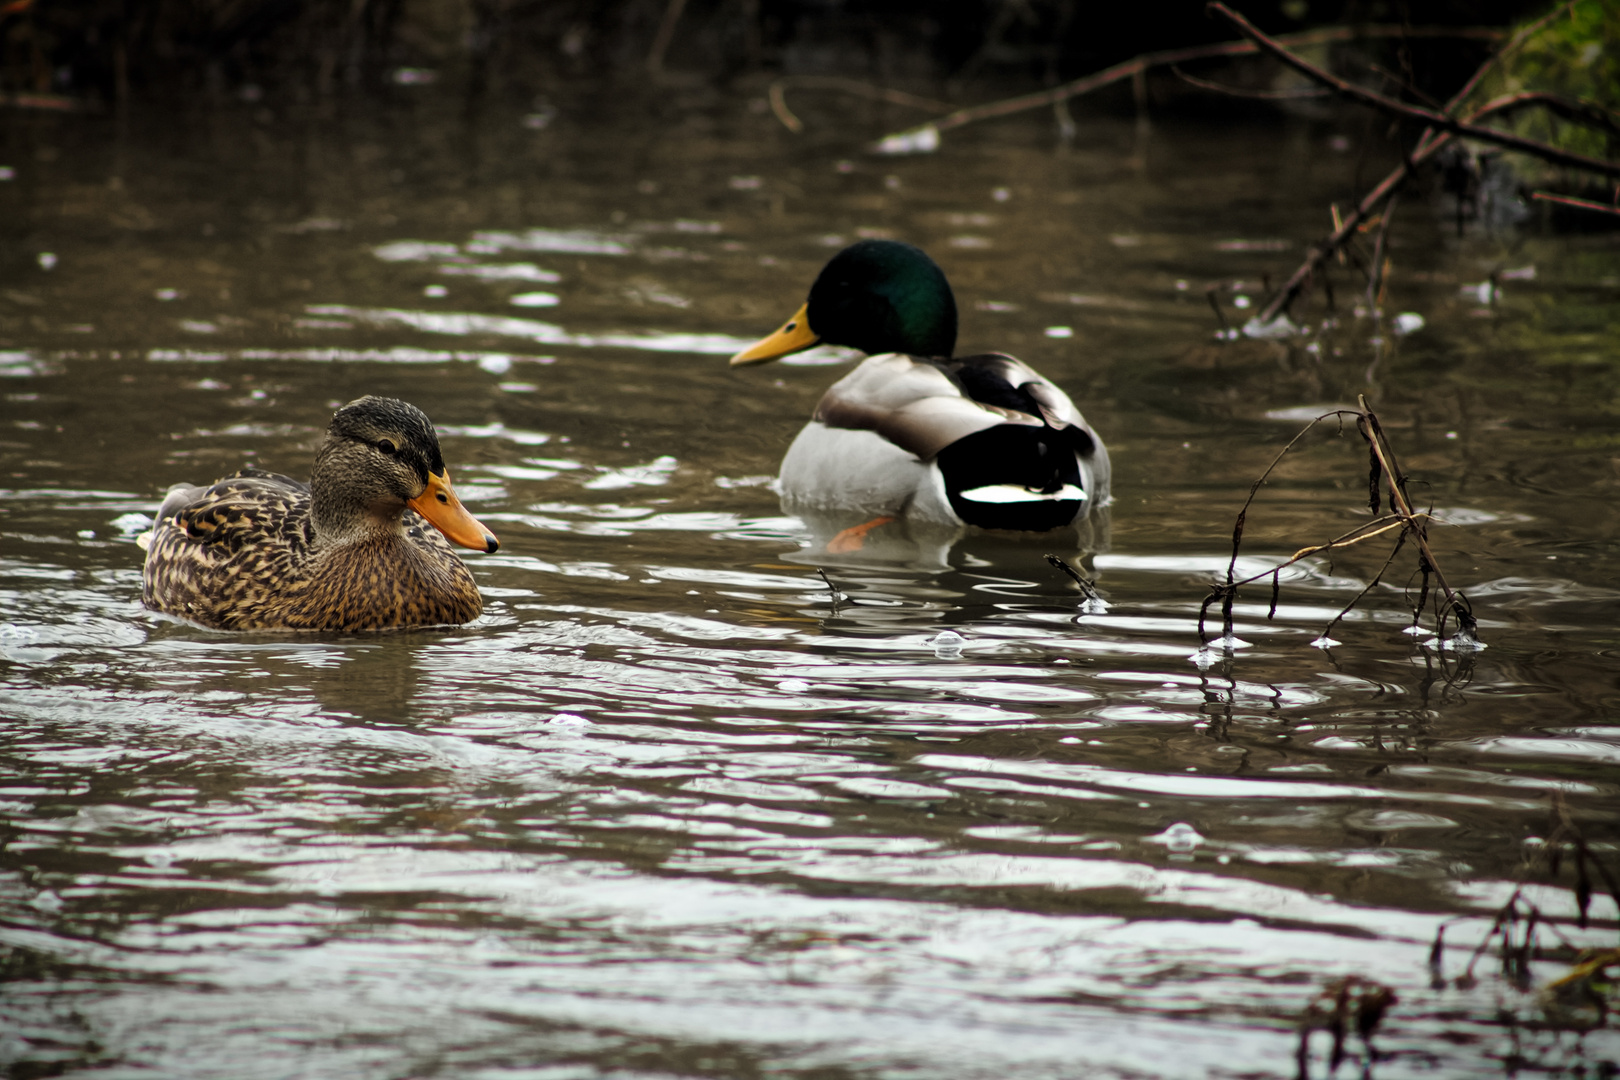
(666, 33)
(1400, 542)
(1365, 531)
(1378, 276)
(838, 598)
(778, 96)
(1245, 92)
(1513, 44)
(1254, 488)
(1570, 200)
(1087, 586)
(1225, 592)
(1574, 110)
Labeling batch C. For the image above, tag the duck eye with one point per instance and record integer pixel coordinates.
(387, 447)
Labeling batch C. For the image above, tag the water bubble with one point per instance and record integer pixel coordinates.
(1180, 838)
(793, 686)
(1324, 642)
(47, 260)
(564, 719)
(947, 644)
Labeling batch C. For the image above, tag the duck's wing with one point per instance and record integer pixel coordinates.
(918, 405)
(996, 380)
(248, 506)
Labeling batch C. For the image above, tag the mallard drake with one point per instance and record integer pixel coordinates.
(916, 435)
(350, 550)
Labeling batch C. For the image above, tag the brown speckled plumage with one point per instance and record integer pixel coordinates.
(259, 551)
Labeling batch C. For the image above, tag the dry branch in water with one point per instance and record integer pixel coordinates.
(1408, 524)
(1519, 925)
(1088, 588)
(1344, 1004)
(1443, 127)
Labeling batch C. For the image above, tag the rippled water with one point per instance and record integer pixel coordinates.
(670, 808)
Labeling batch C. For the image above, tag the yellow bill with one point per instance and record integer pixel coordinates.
(794, 336)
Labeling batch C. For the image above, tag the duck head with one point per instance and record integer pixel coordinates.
(380, 456)
(878, 296)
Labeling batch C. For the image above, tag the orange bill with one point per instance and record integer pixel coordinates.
(444, 511)
(794, 336)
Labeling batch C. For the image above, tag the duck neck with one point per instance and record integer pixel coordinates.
(341, 517)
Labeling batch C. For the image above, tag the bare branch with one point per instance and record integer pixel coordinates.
(1245, 92)
(1435, 119)
(1570, 200)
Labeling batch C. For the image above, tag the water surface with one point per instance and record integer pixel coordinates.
(668, 808)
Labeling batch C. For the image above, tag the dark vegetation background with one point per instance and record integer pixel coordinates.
(106, 52)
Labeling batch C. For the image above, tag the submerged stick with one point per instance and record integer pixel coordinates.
(838, 598)
(1088, 588)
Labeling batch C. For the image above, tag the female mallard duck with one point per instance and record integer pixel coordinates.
(350, 550)
(914, 434)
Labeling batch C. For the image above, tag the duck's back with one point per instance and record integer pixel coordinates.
(982, 439)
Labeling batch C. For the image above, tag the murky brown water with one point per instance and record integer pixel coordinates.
(664, 810)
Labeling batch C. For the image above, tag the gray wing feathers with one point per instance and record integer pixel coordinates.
(915, 405)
